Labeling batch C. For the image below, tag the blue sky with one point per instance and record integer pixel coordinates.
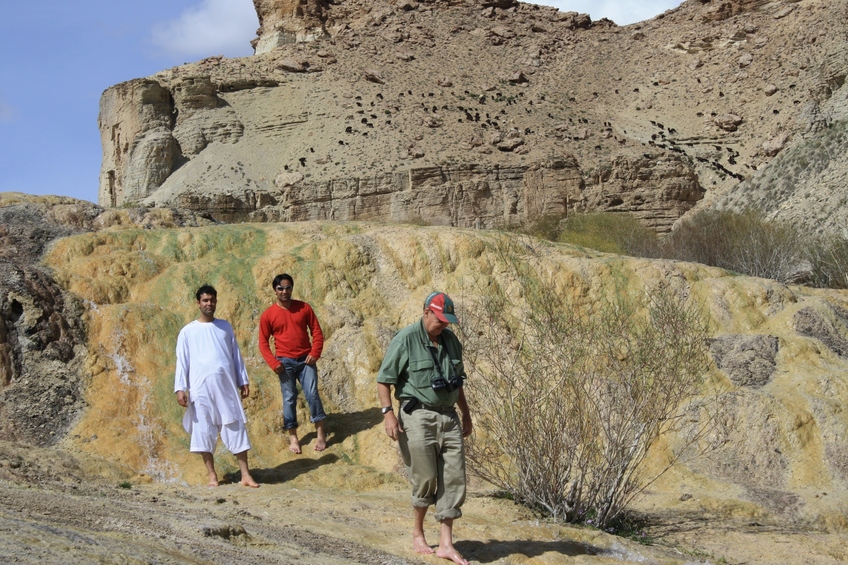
(57, 57)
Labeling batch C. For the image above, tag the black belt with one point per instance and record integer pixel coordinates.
(440, 409)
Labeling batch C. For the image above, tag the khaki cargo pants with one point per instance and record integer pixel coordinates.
(434, 455)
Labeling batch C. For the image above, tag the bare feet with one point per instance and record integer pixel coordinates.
(420, 545)
(294, 445)
(452, 554)
(209, 462)
(249, 482)
(321, 443)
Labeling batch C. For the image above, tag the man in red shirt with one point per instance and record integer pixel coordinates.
(287, 321)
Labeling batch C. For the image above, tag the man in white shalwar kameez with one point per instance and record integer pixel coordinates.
(211, 370)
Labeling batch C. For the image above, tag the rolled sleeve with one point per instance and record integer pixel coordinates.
(394, 363)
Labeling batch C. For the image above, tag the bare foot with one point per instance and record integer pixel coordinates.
(294, 445)
(321, 443)
(420, 545)
(452, 554)
(249, 482)
(213, 480)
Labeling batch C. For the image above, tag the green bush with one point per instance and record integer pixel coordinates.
(611, 233)
(547, 227)
(608, 232)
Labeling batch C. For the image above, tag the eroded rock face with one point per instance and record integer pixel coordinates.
(657, 190)
(747, 360)
(719, 10)
(136, 124)
(288, 21)
(829, 325)
(353, 95)
(42, 337)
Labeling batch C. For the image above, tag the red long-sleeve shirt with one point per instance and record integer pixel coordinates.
(289, 327)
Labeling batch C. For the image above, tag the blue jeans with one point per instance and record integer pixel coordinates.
(297, 370)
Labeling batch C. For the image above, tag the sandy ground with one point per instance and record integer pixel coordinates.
(50, 513)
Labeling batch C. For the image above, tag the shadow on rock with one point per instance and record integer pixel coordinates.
(342, 426)
(285, 472)
(492, 551)
(339, 428)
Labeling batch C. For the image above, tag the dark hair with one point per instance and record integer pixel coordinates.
(206, 289)
(279, 278)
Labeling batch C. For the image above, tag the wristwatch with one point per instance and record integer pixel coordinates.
(385, 409)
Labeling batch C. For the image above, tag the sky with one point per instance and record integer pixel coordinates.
(57, 57)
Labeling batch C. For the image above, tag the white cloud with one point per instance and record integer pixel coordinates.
(213, 27)
(622, 12)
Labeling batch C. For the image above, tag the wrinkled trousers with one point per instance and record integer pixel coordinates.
(434, 455)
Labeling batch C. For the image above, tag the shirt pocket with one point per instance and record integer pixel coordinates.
(420, 372)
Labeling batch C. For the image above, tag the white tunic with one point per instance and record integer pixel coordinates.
(210, 368)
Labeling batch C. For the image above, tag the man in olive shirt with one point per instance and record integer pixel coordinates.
(424, 363)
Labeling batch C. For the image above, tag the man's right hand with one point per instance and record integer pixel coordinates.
(281, 369)
(182, 399)
(393, 429)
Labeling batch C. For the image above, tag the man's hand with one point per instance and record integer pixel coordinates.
(467, 428)
(182, 399)
(245, 391)
(393, 429)
(462, 404)
(310, 360)
(281, 369)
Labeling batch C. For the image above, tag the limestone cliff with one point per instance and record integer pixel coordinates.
(289, 21)
(347, 105)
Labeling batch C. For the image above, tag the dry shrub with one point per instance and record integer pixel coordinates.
(569, 394)
(745, 243)
(829, 259)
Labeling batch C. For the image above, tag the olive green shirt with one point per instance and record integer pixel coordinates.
(410, 367)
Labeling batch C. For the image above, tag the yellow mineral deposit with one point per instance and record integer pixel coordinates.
(366, 281)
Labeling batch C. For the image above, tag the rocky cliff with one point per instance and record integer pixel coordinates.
(466, 112)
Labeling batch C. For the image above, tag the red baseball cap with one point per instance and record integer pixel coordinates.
(441, 305)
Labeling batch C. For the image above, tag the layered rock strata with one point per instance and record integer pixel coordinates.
(342, 96)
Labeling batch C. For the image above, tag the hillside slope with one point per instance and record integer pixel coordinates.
(772, 487)
(780, 350)
(477, 113)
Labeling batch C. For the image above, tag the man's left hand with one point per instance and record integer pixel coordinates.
(466, 425)
(245, 391)
(310, 360)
